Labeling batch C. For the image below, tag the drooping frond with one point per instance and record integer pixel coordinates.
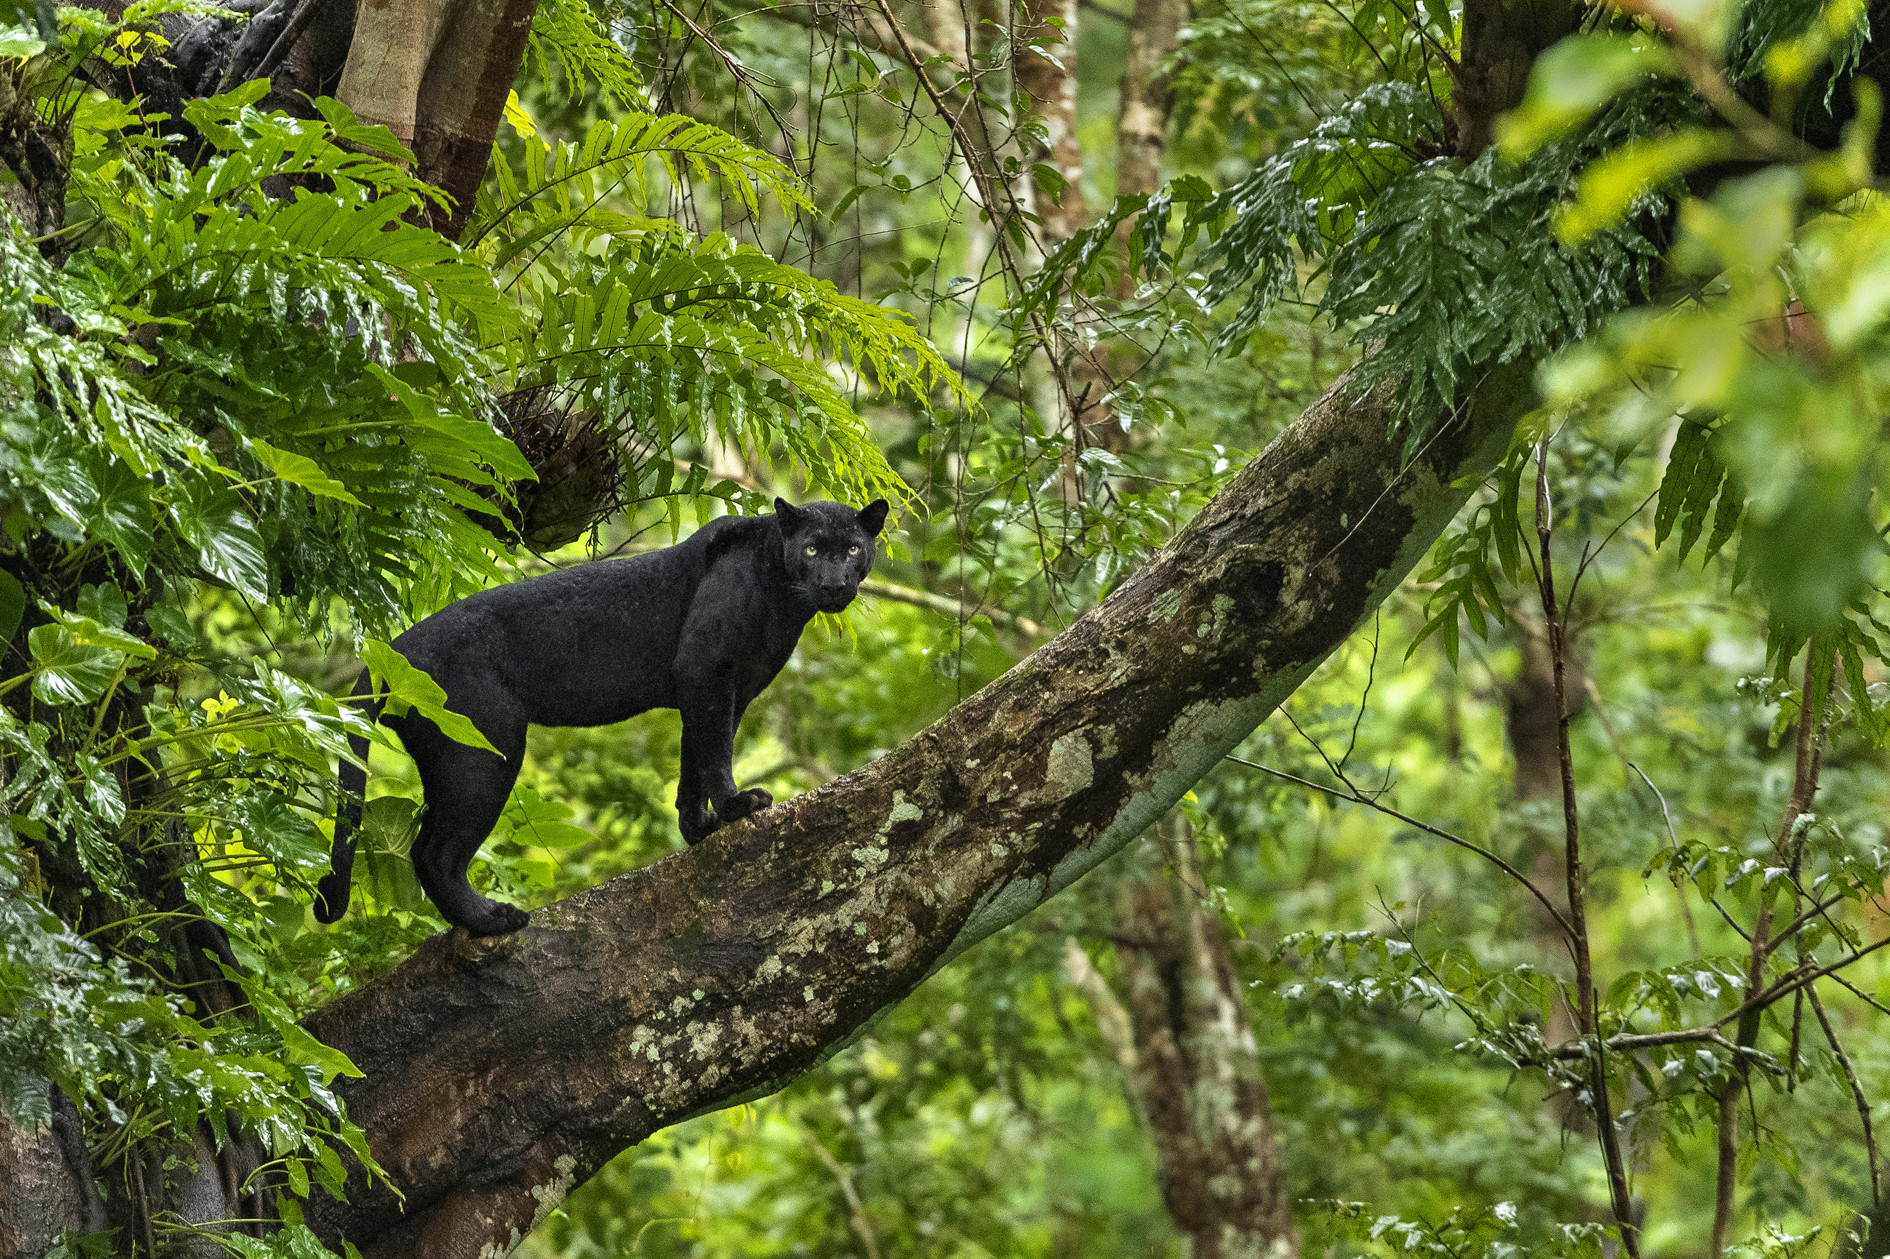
(570, 43)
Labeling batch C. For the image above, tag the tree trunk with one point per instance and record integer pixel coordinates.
(435, 72)
(1196, 1076)
(47, 1188)
(1050, 83)
(1141, 140)
(501, 1072)
(1501, 39)
(1142, 120)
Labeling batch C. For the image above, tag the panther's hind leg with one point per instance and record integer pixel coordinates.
(466, 789)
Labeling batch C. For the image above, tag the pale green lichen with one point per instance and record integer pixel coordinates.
(902, 811)
(1071, 767)
(553, 1191)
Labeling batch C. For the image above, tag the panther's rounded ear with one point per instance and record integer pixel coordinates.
(787, 513)
(873, 516)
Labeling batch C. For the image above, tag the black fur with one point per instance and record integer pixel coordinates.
(701, 626)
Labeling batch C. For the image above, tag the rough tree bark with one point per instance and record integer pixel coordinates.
(1196, 1075)
(1146, 98)
(500, 1073)
(435, 72)
(49, 1186)
(1501, 40)
(1048, 78)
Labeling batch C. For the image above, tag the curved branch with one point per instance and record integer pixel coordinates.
(501, 1072)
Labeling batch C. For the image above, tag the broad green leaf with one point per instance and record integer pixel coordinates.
(16, 43)
(1746, 224)
(173, 624)
(388, 821)
(406, 684)
(88, 632)
(103, 603)
(301, 470)
(123, 515)
(68, 671)
(228, 546)
(534, 820)
(12, 605)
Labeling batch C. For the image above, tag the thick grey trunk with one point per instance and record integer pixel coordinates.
(1196, 1074)
(46, 1185)
(1050, 83)
(500, 1073)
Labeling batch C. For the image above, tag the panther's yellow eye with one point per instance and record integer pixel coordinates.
(853, 550)
(813, 551)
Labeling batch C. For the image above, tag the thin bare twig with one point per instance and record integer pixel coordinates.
(1805, 763)
(1556, 620)
(859, 1221)
(959, 608)
(1628, 1043)
(1356, 798)
(1857, 1089)
(1686, 910)
(742, 76)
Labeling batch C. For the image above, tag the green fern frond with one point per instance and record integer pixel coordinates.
(569, 34)
(568, 180)
(663, 340)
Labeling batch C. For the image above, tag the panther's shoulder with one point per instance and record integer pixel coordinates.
(728, 534)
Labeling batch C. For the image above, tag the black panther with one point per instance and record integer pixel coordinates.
(701, 626)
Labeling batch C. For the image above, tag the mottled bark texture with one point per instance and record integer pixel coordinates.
(500, 1073)
(1142, 121)
(435, 72)
(47, 1186)
(1046, 73)
(1501, 39)
(1196, 1074)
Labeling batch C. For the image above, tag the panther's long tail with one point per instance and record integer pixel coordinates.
(331, 900)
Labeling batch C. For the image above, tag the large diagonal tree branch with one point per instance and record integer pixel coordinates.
(500, 1073)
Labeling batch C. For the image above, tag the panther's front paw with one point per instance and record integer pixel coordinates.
(741, 804)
